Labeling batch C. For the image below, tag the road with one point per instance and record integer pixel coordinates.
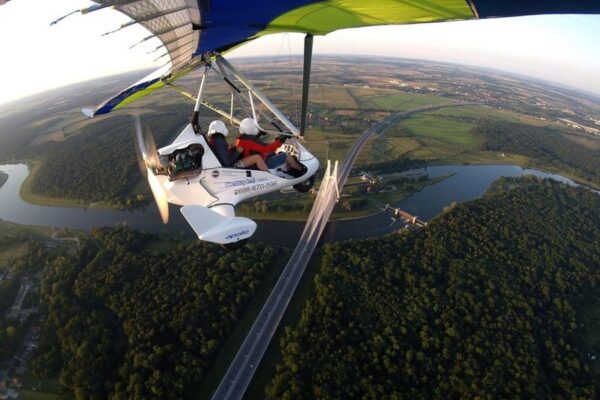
(73, 239)
(242, 368)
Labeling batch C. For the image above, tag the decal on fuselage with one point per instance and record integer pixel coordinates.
(243, 182)
(258, 186)
(237, 234)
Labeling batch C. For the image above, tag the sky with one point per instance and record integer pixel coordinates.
(36, 57)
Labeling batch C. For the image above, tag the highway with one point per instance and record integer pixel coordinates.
(242, 368)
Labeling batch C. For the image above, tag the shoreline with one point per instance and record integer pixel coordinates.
(546, 169)
(28, 196)
(26, 193)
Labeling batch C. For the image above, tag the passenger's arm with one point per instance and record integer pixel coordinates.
(264, 148)
(274, 145)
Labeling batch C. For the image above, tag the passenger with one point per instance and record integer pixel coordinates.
(228, 157)
(248, 141)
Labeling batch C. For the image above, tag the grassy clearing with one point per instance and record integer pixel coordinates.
(404, 101)
(589, 142)
(12, 253)
(331, 95)
(383, 148)
(10, 250)
(34, 395)
(234, 341)
(473, 113)
(9, 230)
(39, 389)
(440, 128)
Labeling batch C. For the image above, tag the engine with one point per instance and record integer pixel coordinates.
(183, 163)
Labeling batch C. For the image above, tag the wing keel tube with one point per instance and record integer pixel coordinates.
(308, 47)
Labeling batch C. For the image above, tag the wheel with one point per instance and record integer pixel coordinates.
(305, 186)
(235, 245)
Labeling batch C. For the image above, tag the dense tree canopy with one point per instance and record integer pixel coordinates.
(544, 144)
(100, 163)
(126, 323)
(491, 300)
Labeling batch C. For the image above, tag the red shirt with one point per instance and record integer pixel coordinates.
(252, 146)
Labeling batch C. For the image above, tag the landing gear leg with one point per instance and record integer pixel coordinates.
(305, 186)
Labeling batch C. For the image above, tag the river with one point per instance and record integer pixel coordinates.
(466, 183)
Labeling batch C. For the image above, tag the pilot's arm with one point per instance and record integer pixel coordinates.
(223, 154)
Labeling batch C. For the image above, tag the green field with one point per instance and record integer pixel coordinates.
(33, 395)
(12, 251)
(14, 240)
(11, 230)
(446, 131)
(342, 105)
(39, 389)
(401, 101)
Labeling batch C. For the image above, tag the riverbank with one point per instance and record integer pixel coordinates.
(27, 194)
(459, 184)
(373, 204)
(464, 158)
(520, 161)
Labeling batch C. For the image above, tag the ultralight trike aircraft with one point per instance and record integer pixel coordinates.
(188, 173)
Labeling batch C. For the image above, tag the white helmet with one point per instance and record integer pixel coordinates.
(217, 126)
(249, 127)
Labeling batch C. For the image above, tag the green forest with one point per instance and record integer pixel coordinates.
(544, 145)
(99, 164)
(497, 298)
(127, 322)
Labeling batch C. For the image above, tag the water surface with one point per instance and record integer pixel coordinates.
(467, 183)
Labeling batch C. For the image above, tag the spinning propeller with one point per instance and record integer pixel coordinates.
(149, 157)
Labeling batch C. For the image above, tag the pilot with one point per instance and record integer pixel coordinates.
(228, 157)
(248, 141)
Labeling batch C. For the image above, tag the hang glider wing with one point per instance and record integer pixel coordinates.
(189, 28)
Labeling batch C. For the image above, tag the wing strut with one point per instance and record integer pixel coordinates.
(308, 46)
(194, 122)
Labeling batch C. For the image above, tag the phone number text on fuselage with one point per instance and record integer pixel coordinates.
(253, 188)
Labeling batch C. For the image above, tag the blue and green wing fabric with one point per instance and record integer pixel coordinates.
(189, 28)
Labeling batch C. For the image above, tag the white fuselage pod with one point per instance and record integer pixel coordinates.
(216, 187)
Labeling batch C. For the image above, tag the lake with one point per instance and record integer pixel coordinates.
(467, 182)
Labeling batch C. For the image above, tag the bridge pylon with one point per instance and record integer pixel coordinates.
(331, 178)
